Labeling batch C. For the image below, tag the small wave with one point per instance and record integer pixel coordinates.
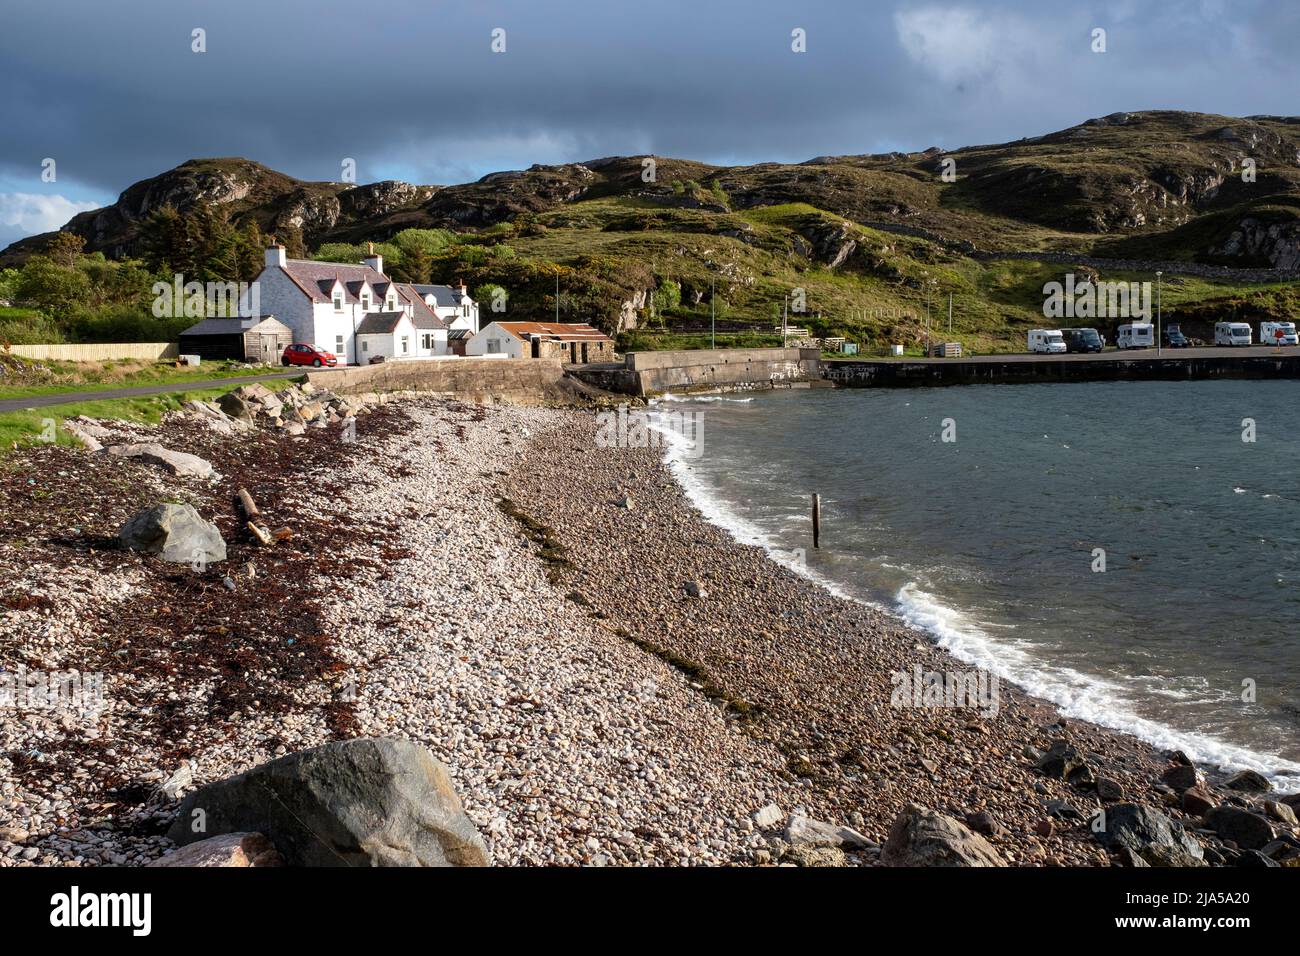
(669, 397)
(1082, 696)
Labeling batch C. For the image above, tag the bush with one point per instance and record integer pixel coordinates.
(23, 327)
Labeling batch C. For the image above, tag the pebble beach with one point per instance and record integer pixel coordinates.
(609, 679)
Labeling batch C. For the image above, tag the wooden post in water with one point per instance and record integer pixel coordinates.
(817, 520)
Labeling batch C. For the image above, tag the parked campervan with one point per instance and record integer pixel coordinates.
(1046, 340)
(1136, 335)
(1268, 333)
(1231, 333)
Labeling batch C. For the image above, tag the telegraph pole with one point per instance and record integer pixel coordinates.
(713, 315)
(1159, 339)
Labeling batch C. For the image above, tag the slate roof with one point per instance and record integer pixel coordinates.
(235, 326)
(380, 323)
(446, 296)
(317, 278)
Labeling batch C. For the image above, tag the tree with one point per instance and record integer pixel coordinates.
(65, 248)
(55, 289)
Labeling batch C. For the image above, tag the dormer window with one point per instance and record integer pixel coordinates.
(365, 302)
(338, 301)
(392, 303)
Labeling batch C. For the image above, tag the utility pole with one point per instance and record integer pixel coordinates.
(1159, 340)
(949, 313)
(713, 315)
(785, 305)
(557, 296)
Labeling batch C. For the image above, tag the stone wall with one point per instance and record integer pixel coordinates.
(519, 381)
(653, 373)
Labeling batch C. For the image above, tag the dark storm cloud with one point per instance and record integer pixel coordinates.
(412, 89)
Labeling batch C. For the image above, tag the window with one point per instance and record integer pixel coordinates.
(365, 345)
(338, 301)
(392, 303)
(406, 344)
(338, 345)
(365, 302)
(426, 342)
(494, 345)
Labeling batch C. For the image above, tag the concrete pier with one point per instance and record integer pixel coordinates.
(1136, 365)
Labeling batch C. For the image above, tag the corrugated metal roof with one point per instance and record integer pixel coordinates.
(556, 331)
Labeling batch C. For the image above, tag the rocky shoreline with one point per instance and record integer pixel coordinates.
(607, 678)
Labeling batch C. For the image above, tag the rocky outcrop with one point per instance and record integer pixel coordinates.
(1277, 243)
(174, 533)
(363, 802)
(922, 837)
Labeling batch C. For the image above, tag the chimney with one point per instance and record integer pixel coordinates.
(275, 255)
(375, 262)
(463, 290)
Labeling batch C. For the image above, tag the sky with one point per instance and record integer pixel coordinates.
(421, 90)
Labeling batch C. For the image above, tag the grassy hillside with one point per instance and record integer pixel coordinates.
(868, 242)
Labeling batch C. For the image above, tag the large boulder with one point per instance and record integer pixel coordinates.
(177, 462)
(174, 533)
(1148, 833)
(363, 802)
(922, 837)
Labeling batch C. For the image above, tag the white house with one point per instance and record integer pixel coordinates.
(354, 311)
(451, 304)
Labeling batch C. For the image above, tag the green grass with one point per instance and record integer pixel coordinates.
(26, 427)
(64, 377)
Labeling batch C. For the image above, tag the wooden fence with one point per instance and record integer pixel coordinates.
(97, 352)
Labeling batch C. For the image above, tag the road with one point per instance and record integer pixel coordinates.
(94, 395)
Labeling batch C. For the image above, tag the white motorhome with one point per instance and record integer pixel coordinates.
(1136, 335)
(1046, 340)
(1268, 333)
(1231, 333)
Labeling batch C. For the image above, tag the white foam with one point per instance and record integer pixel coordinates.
(670, 397)
(1078, 695)
(1082, 696)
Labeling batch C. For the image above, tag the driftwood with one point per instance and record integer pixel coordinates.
(261, 535)
(248, 504)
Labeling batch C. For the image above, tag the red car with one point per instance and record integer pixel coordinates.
(301, 354)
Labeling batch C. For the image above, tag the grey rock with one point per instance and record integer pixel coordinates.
(88, 441)
(769, 817)
(362, 802)
(1148, 833)
(922, 837)
(236, 407)
(177, 462)
(174, 533)
(1281, 812)
(1180, 777)
(801, 830)
(1064, 762)
(1250, 831)
(1248, 781)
